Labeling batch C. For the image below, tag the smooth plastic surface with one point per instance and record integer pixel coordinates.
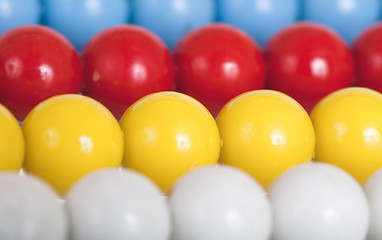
(367, 51)
(36, 63)
(265, 132)
(307, 61)
(348, 131)
(172, 19)
(348, 17)
(168, 134)
(113, 204)
(29, 209)
(16, 13)
(220, 203)
(259, 18)
(125, 63)
(318, 201)
(217, 62)
(79, 21)
(373, 190)
(12, 146)
(69, 136)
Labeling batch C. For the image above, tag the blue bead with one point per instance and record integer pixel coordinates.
(15, 13)
(348, 17)
(172, 19)
(259, 18)
(80, 20)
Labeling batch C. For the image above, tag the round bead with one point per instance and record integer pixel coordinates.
(29, 209)
(79, 21)
(348, 17)
(177, 17)
(373, 189)
(307, 61)
(265, 132)
(168, 134)
(112, 204)
(217, 62)
(12, 146)
(259, 18)
(367, 51)
(219, 202)
(348, 131)
(123, 64)
(16, 13)
(68, 136)
(36, 63)
(318, 201)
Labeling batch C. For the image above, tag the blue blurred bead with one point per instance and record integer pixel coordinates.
(172, 19)
(259, 18)
(80, 20)
(15, 13)
(348, 17)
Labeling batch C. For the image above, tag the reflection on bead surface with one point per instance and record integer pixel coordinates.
(259, 18)
(265, 132)
(349, 131)
(217, 62)
(172, 19)
(168, 134)
(307, 61)
(36, 63)
(69, 136)
(123, 64)
(348, 17)
(79, 21)
(16, 13)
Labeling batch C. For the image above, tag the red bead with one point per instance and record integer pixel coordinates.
(217, 62)
(367, 51)
(307, 61)
(36, 63)
(123, 64)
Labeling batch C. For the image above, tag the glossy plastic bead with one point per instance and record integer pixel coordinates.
(172, 19)
(348, 17)
(308, 61)
(167, 134)
(348, 131)
(259, 18)
(12, 146)
(79, 21)
(265, 132)
(68, 136)
(36, 63)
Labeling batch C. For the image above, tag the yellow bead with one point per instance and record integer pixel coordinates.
(348, 126)
(166, 135)
(12, 147)
(69, 136)
(265, 132)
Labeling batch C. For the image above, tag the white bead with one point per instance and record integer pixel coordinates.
(219, 203)
(373, 189)
(29, 209)
(111, 204)
(318, 201)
